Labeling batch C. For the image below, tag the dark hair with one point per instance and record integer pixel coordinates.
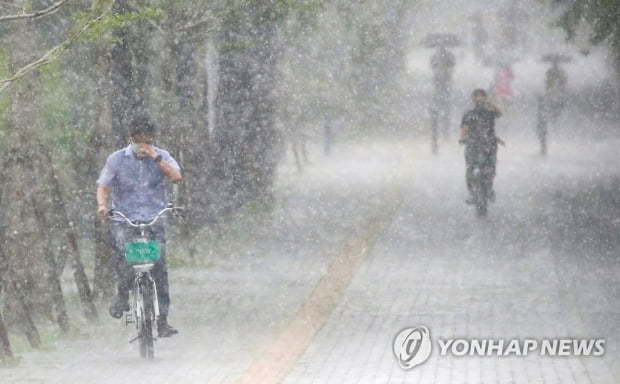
(479, 92)
(141, 125)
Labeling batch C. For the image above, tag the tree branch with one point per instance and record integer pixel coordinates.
(35, 15)
(54, 53)
(196, 25)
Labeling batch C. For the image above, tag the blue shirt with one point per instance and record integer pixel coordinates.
(138, 186)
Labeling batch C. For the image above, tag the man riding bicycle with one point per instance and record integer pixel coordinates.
(478, 135)
(135, 178)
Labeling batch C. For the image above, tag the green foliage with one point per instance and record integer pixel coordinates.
(50, 336)
(307, 8)
(604, 18)
(270, 10)
(98, 31)
(602, 15)
(9, 362)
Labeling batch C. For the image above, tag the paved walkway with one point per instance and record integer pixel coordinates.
(368, 242)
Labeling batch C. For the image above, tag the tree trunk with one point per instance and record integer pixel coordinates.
(121, 90)
(130, 75)
(101, 139)
(16, 294)
(121, 78)
(20, 251)
(104, 267)
(5, 344)
(54, 286)
(16, 298)
(71, 244)
(244, 151)
(193, 136)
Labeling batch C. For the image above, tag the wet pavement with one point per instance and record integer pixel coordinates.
(374, 239)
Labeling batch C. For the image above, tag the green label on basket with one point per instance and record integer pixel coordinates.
(142, 252)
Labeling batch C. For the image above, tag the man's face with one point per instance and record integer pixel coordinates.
(143, 139)
(479, 98)
(142, 145)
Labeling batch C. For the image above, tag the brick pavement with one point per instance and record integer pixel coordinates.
(505, 278)
(430, 264)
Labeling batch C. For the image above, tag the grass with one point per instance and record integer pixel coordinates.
(222, 240)
(49, 334)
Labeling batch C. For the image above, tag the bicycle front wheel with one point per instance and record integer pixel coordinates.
(480, 192)
(145, 336)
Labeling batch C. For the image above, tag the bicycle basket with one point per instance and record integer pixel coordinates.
(142, 252)
(485, 162)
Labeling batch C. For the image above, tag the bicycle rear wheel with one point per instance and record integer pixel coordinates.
(480, 193)
(145, 336)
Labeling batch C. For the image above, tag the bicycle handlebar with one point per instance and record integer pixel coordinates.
(169, 208)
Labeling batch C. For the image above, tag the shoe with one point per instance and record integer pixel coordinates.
(119, 306)
(165, 330)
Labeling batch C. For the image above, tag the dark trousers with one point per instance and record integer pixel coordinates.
(440, 114)
(121, 233)
(477, 152)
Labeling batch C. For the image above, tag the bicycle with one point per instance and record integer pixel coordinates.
(482, 180)
(141, 254)
(482, 173)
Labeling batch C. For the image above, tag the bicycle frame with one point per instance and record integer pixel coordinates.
(143, 274)
(145, 309)
(141, 254)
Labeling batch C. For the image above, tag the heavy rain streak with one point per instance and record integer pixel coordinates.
(353, 191)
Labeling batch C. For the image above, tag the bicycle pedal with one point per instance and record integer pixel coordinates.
(137, 337)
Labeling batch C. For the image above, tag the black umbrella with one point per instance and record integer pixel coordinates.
(556, 58)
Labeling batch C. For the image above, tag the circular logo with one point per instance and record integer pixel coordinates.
(412, 346)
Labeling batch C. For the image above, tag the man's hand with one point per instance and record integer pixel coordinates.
(493, 108)
(146, 150)
(102, 211)
(464, 134)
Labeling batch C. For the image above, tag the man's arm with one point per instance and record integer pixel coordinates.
(498, 111)
(464, 133)
(494, 108)
(171, 173)
(103, 194)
